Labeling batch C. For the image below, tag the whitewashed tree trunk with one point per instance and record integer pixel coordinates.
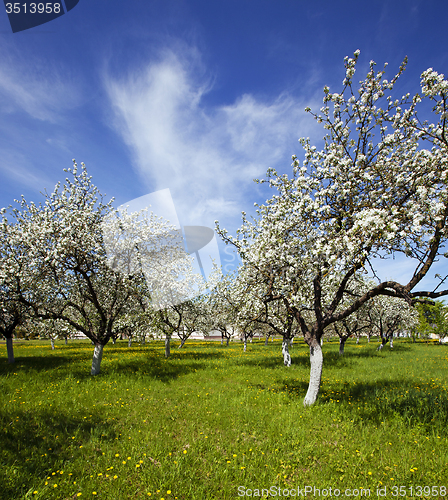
(52, 344)
(291, 341)
(245, 344)
(113, 341)
(96, 361)
(321, 342)
(341, 346)
(266, 340)
(228, 340)
(66, 340)
(391, 342)
(379, 347)
(316, 361)
(285, 352)
(222, 340)
(251, 340)
(182, 342)
(129, 342)
(143, 340)
(167, 346)
(10, 350)
(357, 340)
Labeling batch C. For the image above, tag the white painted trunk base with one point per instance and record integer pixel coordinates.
(285, 352)
(245, 344)
(167, 346)
(391, 342)
(341, 347)
(129, 342)
(10, 350)
(96, 361)
(52, 344)
(316, 361)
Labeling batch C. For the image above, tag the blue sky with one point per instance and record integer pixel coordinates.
(196, 96)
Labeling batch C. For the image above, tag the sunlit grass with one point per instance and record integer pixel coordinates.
(212, 418)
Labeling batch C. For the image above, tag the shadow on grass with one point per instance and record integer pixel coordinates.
(378, 402)
(331, 358)
(140, 361)
(32, 445)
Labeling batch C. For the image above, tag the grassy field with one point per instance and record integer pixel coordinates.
(213, 422)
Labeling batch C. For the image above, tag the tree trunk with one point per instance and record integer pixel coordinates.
(182, 342)
(321, 342)
(52, 344)
(10, 350)
(357, 340)
(285, 352)
(266, 340)
(291, 341)
(167, 346)
(96, 361)
(316, 362)
(341, 346)
(227, 341)
(66, 340)
(113, 340)
(391, 342)
(222, 340)
(245, 344)
(129, 342)
(143, 341)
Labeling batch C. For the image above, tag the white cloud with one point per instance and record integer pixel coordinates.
(36, 87)
(18, 167)
(207, 155)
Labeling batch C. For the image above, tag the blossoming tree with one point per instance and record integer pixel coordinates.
(372, 190)
(79, 281)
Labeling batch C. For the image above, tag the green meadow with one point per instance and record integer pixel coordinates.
(213, 422)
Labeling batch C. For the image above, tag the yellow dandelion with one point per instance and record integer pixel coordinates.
(168, 492)
(185, 452)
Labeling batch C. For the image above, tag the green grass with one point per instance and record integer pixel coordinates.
(211, 419)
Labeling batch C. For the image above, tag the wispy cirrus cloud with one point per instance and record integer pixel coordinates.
(38, 88)
(206, 154)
